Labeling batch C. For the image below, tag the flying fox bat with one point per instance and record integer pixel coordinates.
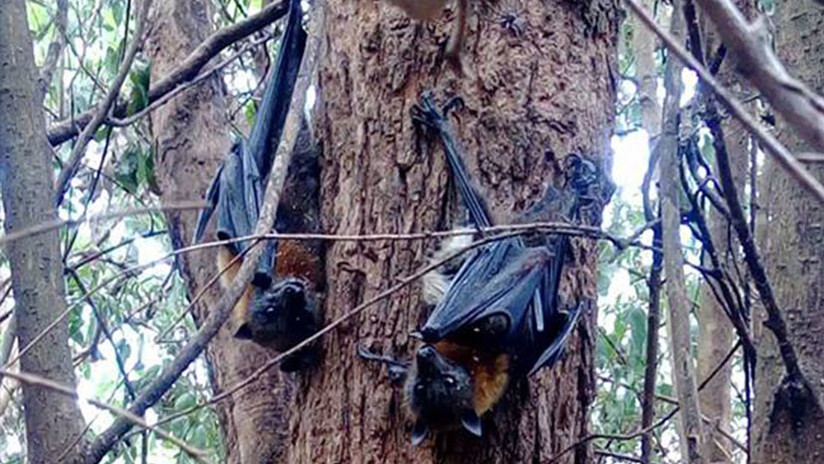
(278, 308)
(500, 317)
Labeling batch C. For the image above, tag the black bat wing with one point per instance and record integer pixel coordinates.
(277, 99)
(236, 191)
(545, 336)
(211, 203)
(490, 298)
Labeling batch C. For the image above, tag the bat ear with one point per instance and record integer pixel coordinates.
(419, 432)
(244, 332)
(471, 422)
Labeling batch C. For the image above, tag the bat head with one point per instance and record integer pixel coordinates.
(440, 395)
(282, 316)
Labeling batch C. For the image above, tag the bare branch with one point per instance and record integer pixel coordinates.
(775, 320)
(402, 283)
(638, 433)
(683, 369)
(514, 230)
(767, 140)
(177, 90)
(811, 158)
(617, 456)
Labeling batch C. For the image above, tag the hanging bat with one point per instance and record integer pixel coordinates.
(278, 308)
(500, 317)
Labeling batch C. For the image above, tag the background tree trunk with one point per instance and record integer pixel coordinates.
(192, 136)
(531, 99)
(53, 421)
(715, 332)
(795, 263)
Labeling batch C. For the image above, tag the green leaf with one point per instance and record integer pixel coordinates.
(140, 78)
(185, 400)
(638, 327)
(127, 169)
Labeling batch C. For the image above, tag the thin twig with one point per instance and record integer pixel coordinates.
(58, 223)
(535, 227)
(514, 230)
(55, 47)
(775, 319)
(641, 432)
(177, 90)
(119, 361)
(618, 456)
(812, 158)
(403, 282)
(802, 108)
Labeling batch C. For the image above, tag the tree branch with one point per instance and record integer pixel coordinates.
(188, 69)
(683, 369)
(55, 47)
(775, 320)
(791, 98)
(58, 223)
(180, 88)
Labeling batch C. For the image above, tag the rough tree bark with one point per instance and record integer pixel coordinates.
(53, 421)
(795, 264)
(531, 99)
(192, 135)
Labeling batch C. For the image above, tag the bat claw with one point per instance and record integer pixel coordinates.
(396, 370)
(426, 112)
(455, 103)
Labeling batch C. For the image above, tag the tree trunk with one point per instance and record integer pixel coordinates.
(531, 99)
(795, 265)
(192, 135)
(53, 421)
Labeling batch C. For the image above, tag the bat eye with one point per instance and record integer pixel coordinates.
(419, 387)
(270, 309)
(449, 380)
